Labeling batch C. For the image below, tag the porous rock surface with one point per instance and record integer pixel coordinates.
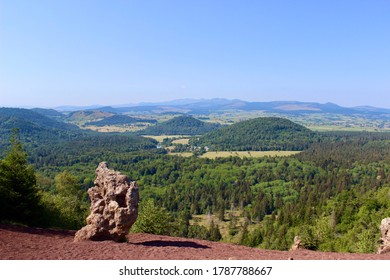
(114, 206)
(297, 243)
(385, 236)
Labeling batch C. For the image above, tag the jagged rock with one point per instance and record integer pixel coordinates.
(297, 243)
(385, 236)
(114, 206)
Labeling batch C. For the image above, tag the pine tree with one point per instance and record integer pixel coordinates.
(152, 219)
(215, 234)
(19, 200)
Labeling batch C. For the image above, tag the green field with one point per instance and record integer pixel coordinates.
(241, 154)
(160, 138)
(324, 128)
(183, 141)
(113, 128)
(182, 154)
(257, 154)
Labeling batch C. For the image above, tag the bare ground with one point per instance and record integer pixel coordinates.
(23, 243)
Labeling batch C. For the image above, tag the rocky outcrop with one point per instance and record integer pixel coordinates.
(385, 236)
(297, 243)
(114, 206)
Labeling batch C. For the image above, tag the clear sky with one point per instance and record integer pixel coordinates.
(81, 52)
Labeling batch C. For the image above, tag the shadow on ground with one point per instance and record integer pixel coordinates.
(181, 244)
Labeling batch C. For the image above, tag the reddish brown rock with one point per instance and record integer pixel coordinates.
(114, 206)
(385, 236)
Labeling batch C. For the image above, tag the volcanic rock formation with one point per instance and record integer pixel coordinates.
(385, 236)
(297, 243)
(114, 206)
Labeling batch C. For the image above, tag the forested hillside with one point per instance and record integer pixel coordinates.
(182, 125)
(55, 143)
(87, 116)
(23, 117)
(260, 134)
(51, 113)
(34, 129)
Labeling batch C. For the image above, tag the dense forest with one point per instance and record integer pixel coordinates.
(22, 118)
(182, 125)
(260, 134)
(51, 113)
(333, 194)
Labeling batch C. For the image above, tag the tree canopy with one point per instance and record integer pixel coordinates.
(182, 125)
(260, 134)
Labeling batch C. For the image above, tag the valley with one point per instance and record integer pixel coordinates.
(250, 177)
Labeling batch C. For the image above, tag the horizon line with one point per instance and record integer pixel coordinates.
(189, 100)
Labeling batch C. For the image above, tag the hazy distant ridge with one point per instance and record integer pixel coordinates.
(205, 106)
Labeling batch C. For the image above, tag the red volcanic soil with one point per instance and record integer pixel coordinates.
(23, 243)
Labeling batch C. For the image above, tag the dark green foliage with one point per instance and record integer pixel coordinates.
(34, 129)
(19, 200)
(260, 134)
(340, 208)
(221, 212)
(30, 118)
(120, 120)
(199, 232)
(182, 125)
(346, 148)
(67, 206)
(309, 239)
(152, 219)
(51, 113)
(215, 234)
(95, 148)
(156, 220)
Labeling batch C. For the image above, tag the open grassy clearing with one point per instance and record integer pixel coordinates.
(344, 128)
(182, 154)
(112, 128)
(183, 141)
(241, 154)
(160, 138)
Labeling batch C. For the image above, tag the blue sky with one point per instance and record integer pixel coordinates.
(118, 52)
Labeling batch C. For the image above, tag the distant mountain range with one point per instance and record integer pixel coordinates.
(207, 106)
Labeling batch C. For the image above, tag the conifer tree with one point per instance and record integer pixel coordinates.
(19, 200)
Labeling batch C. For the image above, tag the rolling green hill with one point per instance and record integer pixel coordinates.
(26, 118)
(182, 125)
(51, 113)
(46, 139)
(34, 128)
(261, 134)
(87, 116)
